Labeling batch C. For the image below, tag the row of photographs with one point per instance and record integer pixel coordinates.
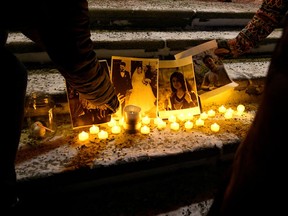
(161, 88)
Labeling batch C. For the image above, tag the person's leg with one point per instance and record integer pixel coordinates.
(13, 74)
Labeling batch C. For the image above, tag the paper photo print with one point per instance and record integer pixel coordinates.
(177, 90)
(135, 81)
(210, 73)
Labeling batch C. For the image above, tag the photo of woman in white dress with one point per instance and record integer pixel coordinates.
(142, 94)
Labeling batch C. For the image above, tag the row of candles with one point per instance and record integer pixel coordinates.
(161, 124)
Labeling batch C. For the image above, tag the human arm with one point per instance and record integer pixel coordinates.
(267, 18)
(65, 37)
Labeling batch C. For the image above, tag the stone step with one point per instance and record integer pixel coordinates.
(140, 43)
(156, 28)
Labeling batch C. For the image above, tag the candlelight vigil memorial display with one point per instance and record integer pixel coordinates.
(144, 128)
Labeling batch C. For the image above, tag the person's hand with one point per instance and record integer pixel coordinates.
(121, 98)
(223, 49)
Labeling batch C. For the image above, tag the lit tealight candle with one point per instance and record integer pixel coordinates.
(203, 115)
(116, 129)
(188, 124)
(228, 114)
(181, 117)
(174, 126)
(240, 109)
(222, 109)
(211, 113)
(200, 122)
(103, 134)
(112, 122)
(189, 116)
(215, 127)
(172, 118)
(121, 121)
(83, 136)
(145, 129)
(145, 120)
(157, 120)
(161, 124)
(94, 129)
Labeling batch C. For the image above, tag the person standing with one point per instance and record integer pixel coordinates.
(254, 182)
(62, 29)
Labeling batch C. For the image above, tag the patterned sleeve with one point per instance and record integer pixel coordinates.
(266, 19)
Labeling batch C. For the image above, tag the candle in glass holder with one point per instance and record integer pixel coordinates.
(200, 122)
(103, 134)
(188, 124)
(83, 136)
(174, 126)
(94, 129)
(116, 129)
(145, 120)
(215, 127)
(145, 129)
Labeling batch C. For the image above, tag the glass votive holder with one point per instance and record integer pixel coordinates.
(132, 118)
(40, 115)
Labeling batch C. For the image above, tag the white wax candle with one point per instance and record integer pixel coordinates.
(200, 122)
(189, 116)
(215, 127)
(222, 109)
(161, 124)
(145, 129)
(174, 126)
(121, 121)
(211, 113)
(145, 120)
(157, 120)
(228, 114)
(112, 122)
(240, 109)
(83, 136)
(116, 129)
(94, 129)
(181, 117)
(172, 118)
(203, 115)
(188, 124)
(103, 134)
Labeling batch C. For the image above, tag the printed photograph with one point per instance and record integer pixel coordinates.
(177, 88)
(210, 73)
(135, 81)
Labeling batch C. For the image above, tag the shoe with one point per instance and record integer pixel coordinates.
(9, 203)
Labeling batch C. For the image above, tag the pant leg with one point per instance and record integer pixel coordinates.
(13, 91)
